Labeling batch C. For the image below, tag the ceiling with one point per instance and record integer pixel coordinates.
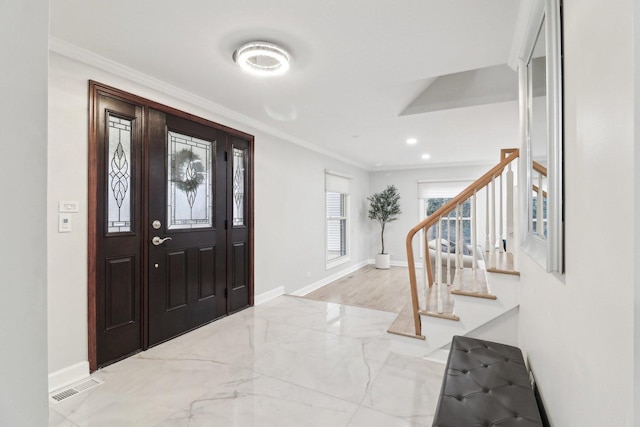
(357, 65)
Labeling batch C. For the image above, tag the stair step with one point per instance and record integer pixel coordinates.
(497, 270)
(504, 263)
(473, 312)
(404, 324)
(446, 310)
(471, 284)
(473, 294)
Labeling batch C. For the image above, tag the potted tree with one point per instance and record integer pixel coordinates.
(385, 207)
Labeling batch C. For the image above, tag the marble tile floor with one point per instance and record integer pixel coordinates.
(288, 362)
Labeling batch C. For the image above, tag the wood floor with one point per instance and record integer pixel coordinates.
(368, 287)
(388, 290)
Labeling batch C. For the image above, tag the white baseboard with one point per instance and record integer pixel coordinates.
(69, 375)
(399, 264)
(320, 283)
(269, 295)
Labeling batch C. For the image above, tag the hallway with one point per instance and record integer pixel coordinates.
(288, 362)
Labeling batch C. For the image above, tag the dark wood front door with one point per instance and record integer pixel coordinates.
(170, 242)
(187, 214)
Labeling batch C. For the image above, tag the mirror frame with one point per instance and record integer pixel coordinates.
(549, 252)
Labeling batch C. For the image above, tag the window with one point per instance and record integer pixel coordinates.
(449, 222)
(535, 215)
(336, 225)
(337, 218)
(434, 194)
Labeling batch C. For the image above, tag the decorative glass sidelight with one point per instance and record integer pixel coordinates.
(238, 186)
(189, 198)
(119, 176)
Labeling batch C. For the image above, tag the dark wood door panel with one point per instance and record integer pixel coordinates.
(175, 283)
(239, 265)
(121, 296)
(207, 272)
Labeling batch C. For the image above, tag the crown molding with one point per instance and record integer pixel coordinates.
(87, 57)
(390, 168)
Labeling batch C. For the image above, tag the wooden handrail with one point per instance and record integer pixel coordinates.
(480, 183)
(539, 168)
(535, 189)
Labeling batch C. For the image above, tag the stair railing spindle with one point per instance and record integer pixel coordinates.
(449, 250)
(540, 207)
(501, 222)
(474, 243)
(492, 225)
(509, 209)
(459, 261)
(486, 227)
(438, 279)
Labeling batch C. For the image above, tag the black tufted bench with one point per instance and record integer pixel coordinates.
(486, 384)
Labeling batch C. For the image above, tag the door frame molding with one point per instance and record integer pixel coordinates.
(96, 90)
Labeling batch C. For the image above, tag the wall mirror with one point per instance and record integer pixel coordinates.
(540, 77)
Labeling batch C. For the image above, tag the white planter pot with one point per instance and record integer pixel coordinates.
(383, 261)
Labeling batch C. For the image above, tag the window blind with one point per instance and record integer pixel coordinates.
(440, 189)
(336, 182)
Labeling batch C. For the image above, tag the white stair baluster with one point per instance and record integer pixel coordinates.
(492, 225)
(449, 249)
(459, 261)
(540, 207)
(425, 260)
(438, 279)
(486, 227)
(509, 209)
(501, 222)
(474, 242)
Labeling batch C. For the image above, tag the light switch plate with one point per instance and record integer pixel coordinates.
(64, 223)
(65, 206)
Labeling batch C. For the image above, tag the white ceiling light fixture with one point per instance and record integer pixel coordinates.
(412, 141)
(262, 58)
(426, 156)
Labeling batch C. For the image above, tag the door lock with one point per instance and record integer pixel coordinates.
(158, 241)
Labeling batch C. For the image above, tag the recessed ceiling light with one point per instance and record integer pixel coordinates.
(426, 156)
(412, 141)
(262, 58)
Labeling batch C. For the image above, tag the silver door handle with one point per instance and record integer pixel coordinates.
(158, 241)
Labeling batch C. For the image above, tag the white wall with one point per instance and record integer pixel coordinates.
(578, 330)
(406, 181)
(289, 205)
(24, 28)
(636, 223)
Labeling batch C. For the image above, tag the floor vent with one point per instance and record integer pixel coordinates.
(59, 396)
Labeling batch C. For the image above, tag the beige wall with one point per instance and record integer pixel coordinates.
(578, 329)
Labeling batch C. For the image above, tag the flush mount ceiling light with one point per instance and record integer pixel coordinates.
(412, 141)
(262, 58)
(426, 156)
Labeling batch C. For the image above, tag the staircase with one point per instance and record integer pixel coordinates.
(470, 288)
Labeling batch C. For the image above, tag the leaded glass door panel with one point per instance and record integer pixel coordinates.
(238, 210)
(187, 238)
